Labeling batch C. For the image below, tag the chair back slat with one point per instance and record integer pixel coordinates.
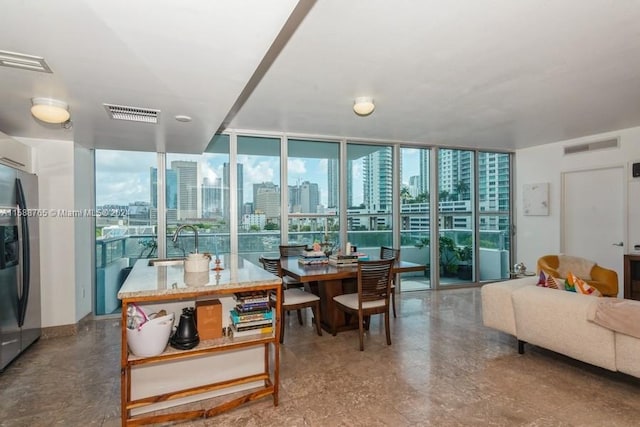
(374, 279)
(272, 265)
(387, 252)
(292, 250)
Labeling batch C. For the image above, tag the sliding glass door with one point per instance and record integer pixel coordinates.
(456, 216)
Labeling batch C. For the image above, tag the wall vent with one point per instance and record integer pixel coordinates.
(23, 62)
(592, 146)
(132, 114)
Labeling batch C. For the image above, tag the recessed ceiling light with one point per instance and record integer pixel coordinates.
(184, 119)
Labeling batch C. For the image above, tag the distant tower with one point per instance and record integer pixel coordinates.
(378, 180)
(333, 173)
(187, 183)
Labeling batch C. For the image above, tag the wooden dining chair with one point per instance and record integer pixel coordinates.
(386, 253)
(293, 299)
(291, 251)
(374, 288)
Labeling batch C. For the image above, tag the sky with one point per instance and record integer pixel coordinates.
(123, 177)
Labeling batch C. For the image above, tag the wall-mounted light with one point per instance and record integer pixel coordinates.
(50, 110)
(363, 105)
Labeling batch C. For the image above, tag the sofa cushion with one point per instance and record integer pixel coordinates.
(558, 321)
(497, 306)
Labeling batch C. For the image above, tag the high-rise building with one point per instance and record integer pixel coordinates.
(378, 180)
(211, 198)
(309, 197)
(187, 184)
(423, 187)
(171, 186)
(333, 174)
(266, 200)
(455, 170)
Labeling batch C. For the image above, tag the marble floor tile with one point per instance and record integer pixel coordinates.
(444, 368)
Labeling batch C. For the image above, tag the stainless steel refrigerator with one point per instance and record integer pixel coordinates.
(20, 319)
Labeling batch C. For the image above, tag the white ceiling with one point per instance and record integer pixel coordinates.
(498, 74)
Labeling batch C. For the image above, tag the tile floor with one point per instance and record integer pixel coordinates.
(444, 369)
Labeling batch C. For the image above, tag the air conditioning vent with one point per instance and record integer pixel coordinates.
(132, 114)
(23, 62)
(592, 146)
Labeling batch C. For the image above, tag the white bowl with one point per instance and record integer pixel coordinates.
(152, 337)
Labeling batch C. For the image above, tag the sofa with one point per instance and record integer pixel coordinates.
(603, 279)
(558, 320)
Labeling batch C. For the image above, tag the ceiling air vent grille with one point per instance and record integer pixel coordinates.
(23, 62)
(592, 146)
(132, 114)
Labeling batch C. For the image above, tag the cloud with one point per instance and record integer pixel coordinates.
(296, 166)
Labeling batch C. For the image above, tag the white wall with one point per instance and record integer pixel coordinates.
(54, 167)
(84, 229)
(539, 235)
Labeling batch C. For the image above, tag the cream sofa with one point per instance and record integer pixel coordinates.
(557, 320)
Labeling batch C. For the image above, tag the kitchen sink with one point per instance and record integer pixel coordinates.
(165, 261)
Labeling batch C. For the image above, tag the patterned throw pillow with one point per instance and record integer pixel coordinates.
(570, 283)
(555, 283)
(583, 287)
(542, 280)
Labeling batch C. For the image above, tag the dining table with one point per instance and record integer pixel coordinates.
(328, 281)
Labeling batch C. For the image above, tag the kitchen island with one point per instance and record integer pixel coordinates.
(248, 364)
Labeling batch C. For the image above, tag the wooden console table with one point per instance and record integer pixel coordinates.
(164, 283)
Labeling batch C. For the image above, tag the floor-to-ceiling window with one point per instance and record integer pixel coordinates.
(494, 217)
(313, 192)
(257, 207)
(415, 215)
(369, 197)
(232, 194)
(197, 187)
(456, 216)
(125, 222)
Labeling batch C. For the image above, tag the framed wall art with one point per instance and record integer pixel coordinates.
(535, 199)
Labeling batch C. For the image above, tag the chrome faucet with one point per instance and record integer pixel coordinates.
(179, 229)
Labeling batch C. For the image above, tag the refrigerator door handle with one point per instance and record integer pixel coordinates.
(26, 262)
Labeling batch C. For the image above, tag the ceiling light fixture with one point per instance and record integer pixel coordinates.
(183, 118)
(50, 110)
(363, 105)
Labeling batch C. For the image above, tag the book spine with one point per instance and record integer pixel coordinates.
(247, 317)
(252, 300)
(247, 307)
(251, 325)
(268, 330)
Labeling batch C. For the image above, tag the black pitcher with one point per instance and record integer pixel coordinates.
(186, 335)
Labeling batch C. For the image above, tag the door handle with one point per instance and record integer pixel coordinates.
(621, 244)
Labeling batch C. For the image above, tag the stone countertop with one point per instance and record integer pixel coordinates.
(167, 280)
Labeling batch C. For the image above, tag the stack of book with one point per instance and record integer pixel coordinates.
(343, 260)
(313, 258)
(252, 314)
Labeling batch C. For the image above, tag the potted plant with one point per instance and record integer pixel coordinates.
(449, 255)
(465, 255)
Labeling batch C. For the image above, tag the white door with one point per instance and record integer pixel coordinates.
(593, 217)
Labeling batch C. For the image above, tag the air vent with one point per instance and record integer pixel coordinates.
(132, 114)
(24, 62)
(592, 146)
